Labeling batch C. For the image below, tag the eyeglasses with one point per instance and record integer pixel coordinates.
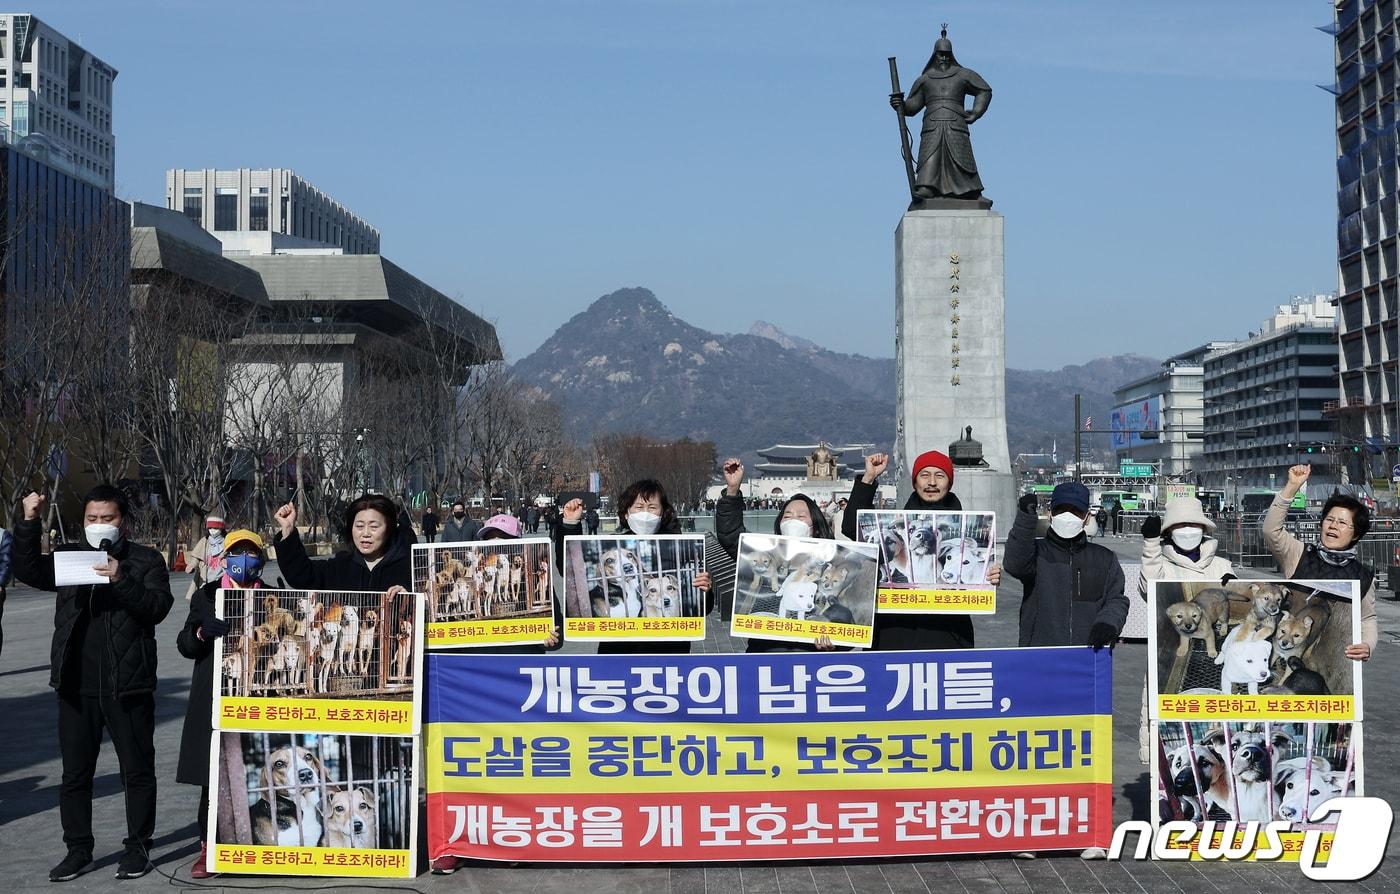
(1337, 521)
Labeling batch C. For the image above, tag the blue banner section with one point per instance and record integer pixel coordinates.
(797, 687)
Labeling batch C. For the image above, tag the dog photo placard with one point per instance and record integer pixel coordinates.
(1254, 650)
(800, 589)
(932, 562)
(313, 804)
(319, 661)
(626, 587)
(1253, 771)
(486, 593)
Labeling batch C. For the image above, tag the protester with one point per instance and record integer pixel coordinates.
(1179, 547)
(430, 525)
(460, 527)
(1061, 573)
(933, 490)
(1345, 520)
(799, 517)
(242, 569)
(378, 560)
(207, 555)
(6, 549)
(103, 665)
(503, 527)
(644, 509)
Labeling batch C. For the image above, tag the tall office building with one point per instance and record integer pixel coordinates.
(1367, 75)
(258, 211)
(1266, 399)
(1157, 419)
(59, 95)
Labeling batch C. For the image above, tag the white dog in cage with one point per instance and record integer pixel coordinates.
(503, 579)
(233, 665)
(349, 639)
(285, 668)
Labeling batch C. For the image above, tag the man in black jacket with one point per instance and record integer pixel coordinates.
(1073, 589)
(103, 665)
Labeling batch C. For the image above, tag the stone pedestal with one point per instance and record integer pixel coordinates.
(950, 350)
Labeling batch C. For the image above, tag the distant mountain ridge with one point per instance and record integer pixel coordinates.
(627, 363)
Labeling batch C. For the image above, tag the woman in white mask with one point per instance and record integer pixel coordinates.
(798, 516)
(1177, 547)
(645, 509)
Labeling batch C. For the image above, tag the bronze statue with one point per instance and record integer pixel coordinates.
(821, 465)
(946, 168)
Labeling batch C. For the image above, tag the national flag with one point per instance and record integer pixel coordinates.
(1088, 423)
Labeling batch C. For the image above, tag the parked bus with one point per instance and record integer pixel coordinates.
(1131, 501)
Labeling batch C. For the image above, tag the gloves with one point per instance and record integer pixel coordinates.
(1151, 527)
(1101, 635)
(1027, 503)
(212, 627)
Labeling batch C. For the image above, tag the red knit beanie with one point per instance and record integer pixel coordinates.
(936, 460)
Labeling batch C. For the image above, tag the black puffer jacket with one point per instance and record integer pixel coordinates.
(1068, 585)
(346, 570)
(127, 610)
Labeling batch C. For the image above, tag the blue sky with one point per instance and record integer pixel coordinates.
(1165, 170)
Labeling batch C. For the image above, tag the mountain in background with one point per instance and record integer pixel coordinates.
(627, 363)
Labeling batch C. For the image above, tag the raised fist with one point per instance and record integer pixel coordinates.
(33, 505)
(1151, 527)
(875, 464)
(573, 511)
(1028, 503)
(733, 474)
(286, 518)
(1299, 474)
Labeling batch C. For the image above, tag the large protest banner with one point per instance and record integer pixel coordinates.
(781, 755)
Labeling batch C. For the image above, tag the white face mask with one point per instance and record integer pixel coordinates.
(95, 534)
(643, 522)
(1187, 538)
(1067, 525)
(795, 527)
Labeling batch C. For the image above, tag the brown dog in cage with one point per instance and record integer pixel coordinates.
(352, 819)
(289, 812)
(403, 648)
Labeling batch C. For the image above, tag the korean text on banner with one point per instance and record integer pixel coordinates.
(717, 757)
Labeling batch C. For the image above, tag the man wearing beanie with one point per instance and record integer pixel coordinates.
(1073, 589)
(933, 490)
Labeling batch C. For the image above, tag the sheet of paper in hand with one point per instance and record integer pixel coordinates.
(74, 568)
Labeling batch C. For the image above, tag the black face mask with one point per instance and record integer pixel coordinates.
(458, 514)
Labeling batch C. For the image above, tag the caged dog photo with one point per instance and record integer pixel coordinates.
(491, 579)
(931, 549)
(1253, 770)
(805, 580)
(306, 790)
(633, 577)
(305, 643)
(1255, 637)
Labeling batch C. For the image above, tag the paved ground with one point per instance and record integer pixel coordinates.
(30, 834)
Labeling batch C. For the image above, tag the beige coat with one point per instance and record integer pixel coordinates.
(197, 563)
(1288, 550)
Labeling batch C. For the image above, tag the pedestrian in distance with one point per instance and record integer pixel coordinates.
(206, 556)
(1117, 514)
(430, 525)
(460, 527)
(591, 519)
(1101, 521)
(103, 667)
(7, 543)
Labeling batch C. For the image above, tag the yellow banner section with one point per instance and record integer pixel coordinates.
(591, 630)
(377, 716)
(1292, 845)
(526, 758)
(1256, 707)
(922, 601)
(793, 630)
(339, 861)
(490, 632)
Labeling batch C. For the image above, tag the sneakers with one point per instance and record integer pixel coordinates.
(73, 865)
(446, 865)
(200, 868)
(1093, 853)
(134, 864)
